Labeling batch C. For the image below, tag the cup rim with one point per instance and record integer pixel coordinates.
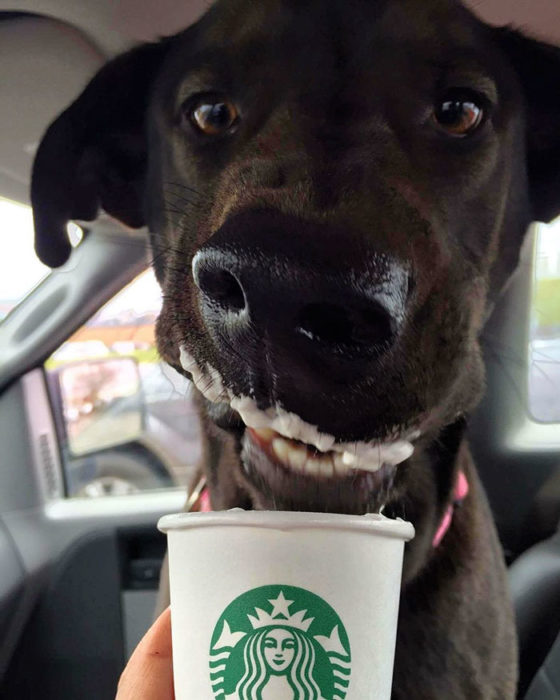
(374, 523)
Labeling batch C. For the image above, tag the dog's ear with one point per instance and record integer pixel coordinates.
(538, 67)
(94, 154)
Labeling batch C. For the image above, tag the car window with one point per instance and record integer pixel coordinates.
(544, 342)
(126, 421)
(21, 270)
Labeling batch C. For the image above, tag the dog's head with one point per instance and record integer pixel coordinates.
(336, 191)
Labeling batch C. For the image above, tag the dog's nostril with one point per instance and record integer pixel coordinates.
(346, 329)
(220, 287)
(324, 322)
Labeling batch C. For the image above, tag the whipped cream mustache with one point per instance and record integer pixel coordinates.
(366, 456)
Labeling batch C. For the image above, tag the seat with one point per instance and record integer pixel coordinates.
(535, 586)
(546, 684)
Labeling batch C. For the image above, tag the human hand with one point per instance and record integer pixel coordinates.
(149, 672)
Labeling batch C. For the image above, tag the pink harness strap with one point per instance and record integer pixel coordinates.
(205, 505)
(460, 492)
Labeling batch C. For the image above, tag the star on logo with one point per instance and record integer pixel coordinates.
(280, 615)
(280, 605)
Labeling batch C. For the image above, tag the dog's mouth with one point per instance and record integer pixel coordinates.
(291, 475)
(289, 464)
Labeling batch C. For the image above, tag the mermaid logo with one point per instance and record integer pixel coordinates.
(279, 643)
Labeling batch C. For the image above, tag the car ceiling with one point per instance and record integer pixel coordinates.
(48, 57)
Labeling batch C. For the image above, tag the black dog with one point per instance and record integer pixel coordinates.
(337, 191)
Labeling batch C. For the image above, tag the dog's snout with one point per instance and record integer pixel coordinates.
(270, 278)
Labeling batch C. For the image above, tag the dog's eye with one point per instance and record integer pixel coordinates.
(213, 116)
(458, 114)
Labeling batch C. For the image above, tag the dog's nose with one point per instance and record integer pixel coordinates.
(300, 286)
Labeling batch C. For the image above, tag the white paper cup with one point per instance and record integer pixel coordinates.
(284, 606)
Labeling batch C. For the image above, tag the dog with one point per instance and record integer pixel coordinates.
(336, 194)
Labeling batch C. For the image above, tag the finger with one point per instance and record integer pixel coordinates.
(149, 673)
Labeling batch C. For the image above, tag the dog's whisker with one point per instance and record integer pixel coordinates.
(181, 196)
(514, 384)
(178, 205)
(223, 396)
(181, 185)
(504, 360)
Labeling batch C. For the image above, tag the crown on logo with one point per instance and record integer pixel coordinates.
(280, 615)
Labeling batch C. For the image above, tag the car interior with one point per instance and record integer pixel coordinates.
(99, 439)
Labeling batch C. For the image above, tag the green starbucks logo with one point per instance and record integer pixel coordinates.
(282, 643)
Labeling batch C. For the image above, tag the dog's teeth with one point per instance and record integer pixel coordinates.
(369, 466)
(297, 458)
(281, 449)
(339, 467)
(371, 461)
(313, 466)
(326, 467)
(265, 434)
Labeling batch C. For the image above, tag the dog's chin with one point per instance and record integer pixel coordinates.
(282, 474)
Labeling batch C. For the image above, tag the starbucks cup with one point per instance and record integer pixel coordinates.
(284, 606)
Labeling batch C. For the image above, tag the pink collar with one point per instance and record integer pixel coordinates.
(459, 494)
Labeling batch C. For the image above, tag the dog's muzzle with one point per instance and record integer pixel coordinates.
(298, 313)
